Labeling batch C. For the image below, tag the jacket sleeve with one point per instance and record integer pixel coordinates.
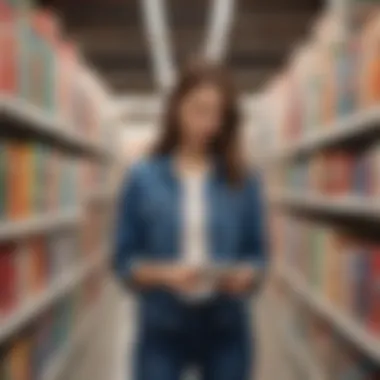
(128, 245)
(255, 251)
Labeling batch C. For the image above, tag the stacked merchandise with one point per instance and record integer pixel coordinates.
(43, 69)
(335, 173)
(50, 280)
(332, 83)
(36, 179)
(341, 268)
(30, 267)
(28, 356)
(327, 80)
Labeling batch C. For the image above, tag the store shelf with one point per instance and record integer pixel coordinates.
(343, 206)
(357, 127)
(57, 290)
(350, 329)
(10, 230)
(59, 362)
(18, 116)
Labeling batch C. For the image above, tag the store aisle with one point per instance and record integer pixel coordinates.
(123, 336)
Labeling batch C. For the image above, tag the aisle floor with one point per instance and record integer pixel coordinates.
(124, 336)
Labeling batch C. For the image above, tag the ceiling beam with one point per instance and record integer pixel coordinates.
(280, 5)
(136, 81)
(120, 60)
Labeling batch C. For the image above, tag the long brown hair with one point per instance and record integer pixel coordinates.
(225, 146)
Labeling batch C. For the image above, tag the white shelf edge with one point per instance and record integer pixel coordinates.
(364, 121)
(13, 229)
(57, 365)
(68, 281)
(40, 122)
(347, 205)
(346, 325)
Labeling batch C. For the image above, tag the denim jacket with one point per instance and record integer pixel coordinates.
(149, 228)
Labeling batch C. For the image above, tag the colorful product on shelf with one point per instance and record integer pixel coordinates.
(19, 5)
(338, 170)
(367, 88)
(3, 179)
(39, 263)
(28, 356)
(340, 268)
(29, 267)
(374, 292)
(317, 173)
(335, 173)
(35, 179)
(43, 87)
(344, 270)
(8, 289)
(44, 293)
(332, 77)
(47, 72)
(8, 43)
(374, 171)
(19, 359)
(346, 58)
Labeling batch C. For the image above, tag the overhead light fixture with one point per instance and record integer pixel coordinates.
(156, 26)
(221, 17)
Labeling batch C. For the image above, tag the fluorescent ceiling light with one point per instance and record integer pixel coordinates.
(156, 25)
(219, 28)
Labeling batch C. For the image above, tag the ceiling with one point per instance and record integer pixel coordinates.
(113, 39)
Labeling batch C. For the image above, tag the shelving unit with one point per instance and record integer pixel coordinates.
(60, 287)
(317, 146)
(344, 324)
(18, 116)
(57, 153)
(10, 230)
(353, 129)
(357, 129)
(346, 206)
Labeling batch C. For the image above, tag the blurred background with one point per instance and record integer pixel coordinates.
(81, 91)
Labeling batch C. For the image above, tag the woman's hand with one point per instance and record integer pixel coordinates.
(238, 281)
(178, 278)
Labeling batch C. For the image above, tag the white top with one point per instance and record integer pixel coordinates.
(194, 239)
(194, 235)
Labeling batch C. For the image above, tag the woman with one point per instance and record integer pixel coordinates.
(190, 238)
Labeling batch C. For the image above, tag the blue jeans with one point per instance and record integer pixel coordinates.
(217, 353)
